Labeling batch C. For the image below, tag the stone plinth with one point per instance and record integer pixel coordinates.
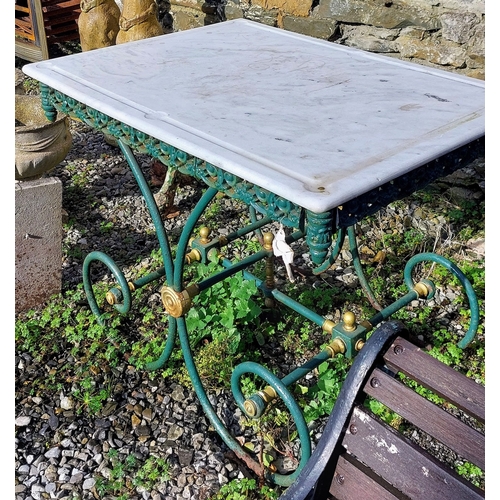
(38, 241)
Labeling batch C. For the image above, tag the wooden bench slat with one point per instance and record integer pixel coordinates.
(432, 419)
(353, 481)
(402, 463)
(430, 372)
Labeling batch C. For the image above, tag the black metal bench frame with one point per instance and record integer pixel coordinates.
(360, 457)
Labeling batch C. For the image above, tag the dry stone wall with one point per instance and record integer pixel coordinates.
(449, 34)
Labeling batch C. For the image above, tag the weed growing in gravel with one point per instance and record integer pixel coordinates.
(90, 399)
(472, 472)
(125, 473)
(65, 324)
(245, 489)
(106, 226)
(153, 471)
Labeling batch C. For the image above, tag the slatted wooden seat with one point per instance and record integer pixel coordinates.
(360, 457)
(41, 23)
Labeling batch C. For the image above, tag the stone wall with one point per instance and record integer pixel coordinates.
(448, 34)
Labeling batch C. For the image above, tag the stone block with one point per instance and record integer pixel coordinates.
(186, 19)
(435, 51)
(293, 7)
(200, 5)
(459, 26)
(317, 28)
(379, 13)
(233, 11)
(38, 219)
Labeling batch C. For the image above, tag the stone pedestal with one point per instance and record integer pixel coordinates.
(38, 241)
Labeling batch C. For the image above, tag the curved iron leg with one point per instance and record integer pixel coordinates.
(178, 271)
(186, 348)
(353, 247)
(169, 347)
(207, 406)
(161, 234)
(182, 246)
(471, 294)
(117, 273)
(281, 389)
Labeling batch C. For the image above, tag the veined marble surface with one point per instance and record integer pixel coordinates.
(310, 120)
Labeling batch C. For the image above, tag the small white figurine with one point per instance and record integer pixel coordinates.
(283, 250)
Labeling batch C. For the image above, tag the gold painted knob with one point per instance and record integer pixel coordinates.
(176, 304)
(349, 319)
(421, 289)
(111, 298)
(336, 347)
(268, 240)
(193, 256)
(359, 345)
(204, 234)
(250, 408)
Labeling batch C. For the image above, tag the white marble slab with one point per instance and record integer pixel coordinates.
(312, 121)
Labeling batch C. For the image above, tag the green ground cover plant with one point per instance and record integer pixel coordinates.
(127, 473)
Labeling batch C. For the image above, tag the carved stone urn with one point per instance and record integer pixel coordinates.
(40, 145)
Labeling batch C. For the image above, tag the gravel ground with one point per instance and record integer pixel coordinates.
(59, 451)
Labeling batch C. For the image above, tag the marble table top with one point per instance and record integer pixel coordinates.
(312, 121)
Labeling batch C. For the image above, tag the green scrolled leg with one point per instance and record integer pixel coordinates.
(353, 247)
(471, 295)
(280, 389)
(122, 307)
(207, 406)
(167, 350)
(161, 234)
